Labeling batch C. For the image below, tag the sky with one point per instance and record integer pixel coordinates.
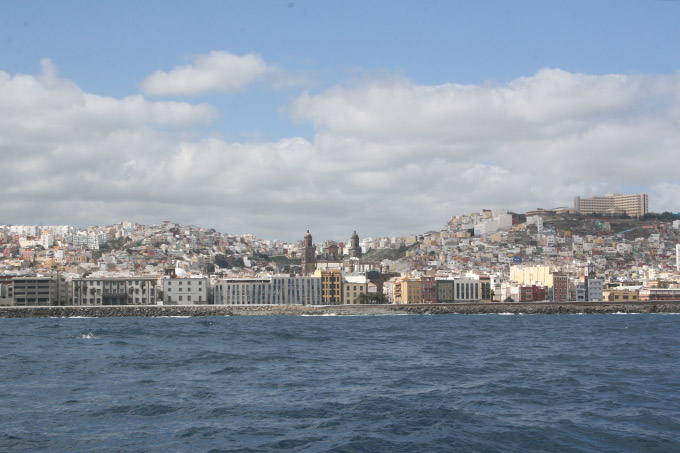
(384, 117)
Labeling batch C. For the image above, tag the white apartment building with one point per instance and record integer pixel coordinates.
(635, 205)
(595, 290)
(590, 291)
(277, 290)
(500, 221)
(580, 291)
(185, 291)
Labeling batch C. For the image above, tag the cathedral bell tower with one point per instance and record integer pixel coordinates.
(308, 255)
(354, 247)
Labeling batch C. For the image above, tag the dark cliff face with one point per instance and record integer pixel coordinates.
(292, 310)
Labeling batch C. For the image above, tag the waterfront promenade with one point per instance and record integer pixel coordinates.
(344, 310)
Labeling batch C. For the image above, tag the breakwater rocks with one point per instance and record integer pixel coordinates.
(344, 310)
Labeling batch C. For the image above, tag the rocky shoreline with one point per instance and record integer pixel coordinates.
(342, 310)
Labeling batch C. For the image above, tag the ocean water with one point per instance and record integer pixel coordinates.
(360, 383)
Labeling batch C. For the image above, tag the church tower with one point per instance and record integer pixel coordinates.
(308, 255)
(354, 247)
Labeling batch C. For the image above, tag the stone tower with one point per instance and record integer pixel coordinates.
(308, 255)
(354, 247)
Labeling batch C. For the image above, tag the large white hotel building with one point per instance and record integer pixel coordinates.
(635, 205)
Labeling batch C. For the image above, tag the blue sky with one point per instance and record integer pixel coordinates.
(324, 84)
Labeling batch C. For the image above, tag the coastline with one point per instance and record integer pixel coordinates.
(543, 308)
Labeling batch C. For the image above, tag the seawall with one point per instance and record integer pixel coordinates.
(343, 310)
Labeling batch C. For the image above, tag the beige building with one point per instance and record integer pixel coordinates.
(352, 288)
(621, 295)
(531, 275)
(635, 205)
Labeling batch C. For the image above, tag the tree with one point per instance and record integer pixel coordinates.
(221, 261)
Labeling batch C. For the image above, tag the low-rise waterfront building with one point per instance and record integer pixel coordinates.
(560, 287)
(621, 295)
(429, 285)
(114, 291)
(651, 294)
(185, 291)
(458, 290)
(412, 291)
(277, 290)
(353, 287)
(40, 291)
(331, 285)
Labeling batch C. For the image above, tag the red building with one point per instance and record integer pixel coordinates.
(525, 294)
(429, 285)
(538, 293)
(560, 287)
(531, 293)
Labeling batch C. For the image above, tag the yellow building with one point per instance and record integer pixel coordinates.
(621, 295)
(412, 291)
(331, 286)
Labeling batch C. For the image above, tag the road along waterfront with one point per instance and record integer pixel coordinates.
(343, 310)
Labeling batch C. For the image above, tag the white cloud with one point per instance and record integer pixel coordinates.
(389, 156)
(216, 72)
(536, 141)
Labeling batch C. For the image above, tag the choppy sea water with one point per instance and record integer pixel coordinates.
(364, 383)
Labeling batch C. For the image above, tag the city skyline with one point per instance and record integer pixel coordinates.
(385, 118)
